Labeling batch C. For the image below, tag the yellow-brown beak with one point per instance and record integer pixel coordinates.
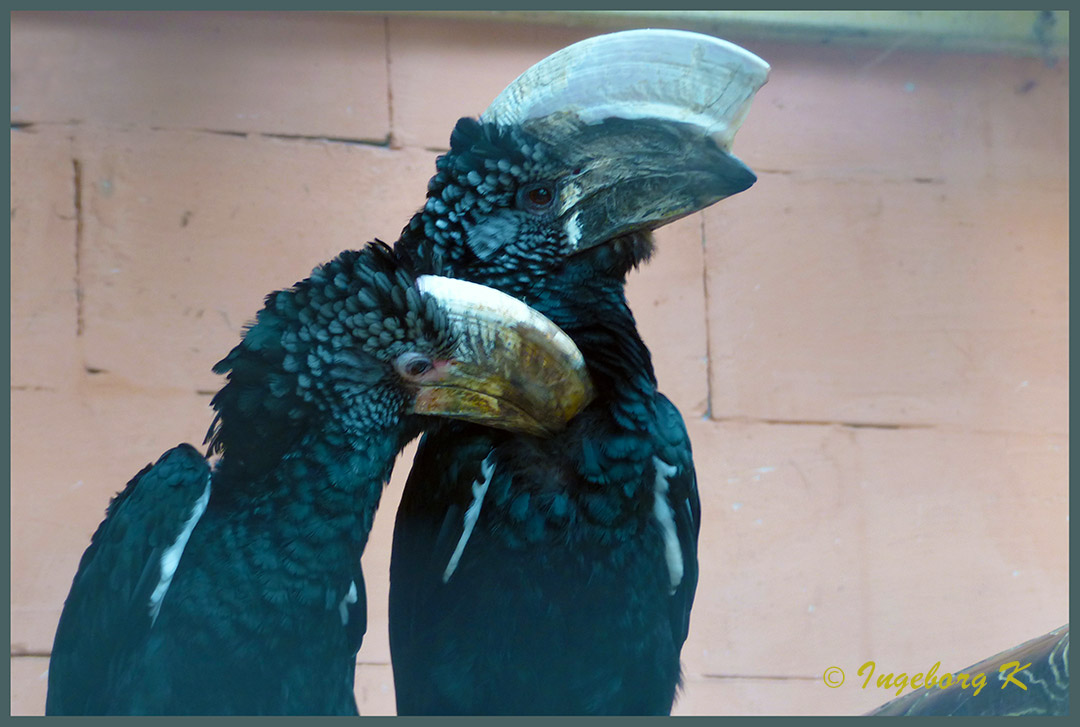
(511, 367)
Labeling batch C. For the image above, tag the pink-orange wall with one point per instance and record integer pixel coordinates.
(869, 346)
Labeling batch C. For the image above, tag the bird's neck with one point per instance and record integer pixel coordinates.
(321, 494)
(591, 308)
(620, 366)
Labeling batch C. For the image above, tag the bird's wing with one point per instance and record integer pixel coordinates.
(123, 577)
(1030, 679)
(673, 444)
(427, 532)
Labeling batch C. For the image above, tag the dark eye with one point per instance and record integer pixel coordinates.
(412, 365)
(536, 197)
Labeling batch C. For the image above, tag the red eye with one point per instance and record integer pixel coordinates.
(540, 196)
(536, 197)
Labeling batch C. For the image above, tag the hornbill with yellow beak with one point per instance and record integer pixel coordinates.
(235, 588)
(556, 576)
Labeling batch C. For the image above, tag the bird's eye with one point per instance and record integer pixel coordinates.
(536, 197)
(412, 365)
(540, 196)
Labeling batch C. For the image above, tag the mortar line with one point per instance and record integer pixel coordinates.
(391, 139)
(771, 677)
(708, 328)
(323, 139)
(281, 136)
(828, 423)
(78, 194)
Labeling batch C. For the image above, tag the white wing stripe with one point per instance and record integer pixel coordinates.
(665, 516)
(348, 598)
(487, 469)
(170, 559)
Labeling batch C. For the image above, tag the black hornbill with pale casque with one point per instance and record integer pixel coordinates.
(556, 575)
(235, 587)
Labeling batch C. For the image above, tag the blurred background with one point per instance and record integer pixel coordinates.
(870, 346)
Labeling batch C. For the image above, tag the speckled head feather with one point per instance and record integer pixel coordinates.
(479, 212)
(362, 299)
(315, 347)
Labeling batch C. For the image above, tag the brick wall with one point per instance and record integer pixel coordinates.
(869, 346)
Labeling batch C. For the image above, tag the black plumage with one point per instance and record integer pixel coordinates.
(534, 576)
(236, 588)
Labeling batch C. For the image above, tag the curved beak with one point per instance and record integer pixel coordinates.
(645, 119)
(511, 367)
(640, 175)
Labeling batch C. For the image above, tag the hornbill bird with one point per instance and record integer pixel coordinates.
(1031, 679)
(556, 576)
(235, 588)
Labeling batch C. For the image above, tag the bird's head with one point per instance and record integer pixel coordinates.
(594, 147)
(356, 348)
